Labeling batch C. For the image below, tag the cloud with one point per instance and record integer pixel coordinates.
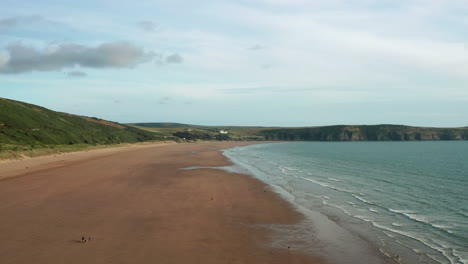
(16, 21)
(174, 58)
(164, 100)
(22, 58)
(147, 25)
(4, 58)
(77, 74)
(257, 47)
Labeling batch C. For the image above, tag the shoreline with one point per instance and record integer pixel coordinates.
(139, 207)
(337, 243)
(318, 186)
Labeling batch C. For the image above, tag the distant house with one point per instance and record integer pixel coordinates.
(223, 132)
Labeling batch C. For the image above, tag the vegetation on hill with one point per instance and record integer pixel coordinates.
(27, 126)
(325, 133)
(179, 131)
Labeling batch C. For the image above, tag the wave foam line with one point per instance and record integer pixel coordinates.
(333, 179)
(421, 219)
(435, 246)
(326, 185)
(362, 199)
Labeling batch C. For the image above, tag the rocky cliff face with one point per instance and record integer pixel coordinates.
(366, 133)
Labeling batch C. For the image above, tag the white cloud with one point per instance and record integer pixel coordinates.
(4, 58)
(147, 25)
(24, 58)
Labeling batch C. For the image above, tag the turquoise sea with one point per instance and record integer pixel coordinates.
(405, 201)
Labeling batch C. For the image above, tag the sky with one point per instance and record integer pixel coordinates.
(245, 62)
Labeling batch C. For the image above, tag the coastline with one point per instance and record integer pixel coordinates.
(140, 207)
(316, 233)
(366, 197)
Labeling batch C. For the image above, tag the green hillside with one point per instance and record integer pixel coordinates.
(324, 133)
(165, 125)
(23, 124)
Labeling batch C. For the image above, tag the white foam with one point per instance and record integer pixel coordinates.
(287, 168)
(364, 218)
(333, 179)
(325, 185)
(417, 217)
(401, 211)
(373, 210)
(341, 208)
(462, 256)
(414, 236)
(422, 219)
(361, 199)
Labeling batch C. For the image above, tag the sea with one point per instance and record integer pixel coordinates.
(370, 202)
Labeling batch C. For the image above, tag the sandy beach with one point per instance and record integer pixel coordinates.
(138, 206)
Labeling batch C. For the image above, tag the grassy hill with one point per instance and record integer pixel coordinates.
(196, 132)
(325, 133)
(26, 126)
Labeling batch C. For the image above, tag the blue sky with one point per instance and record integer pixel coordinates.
(246, 62)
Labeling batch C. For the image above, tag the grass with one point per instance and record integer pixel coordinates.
(325, 133)
(9, 152)
(30, 126)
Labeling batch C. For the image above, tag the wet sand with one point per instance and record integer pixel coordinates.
(139, 207)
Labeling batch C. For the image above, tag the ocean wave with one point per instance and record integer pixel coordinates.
(401, 211)
(422, 219)
(443, 227)
(373, 210)
(326, 185)
(417, 217)
(430, 243)
(284, 167)
(341, 208)
(462, 256)
(364, 218)
(362, 199)
(447, 250)
(333, 179)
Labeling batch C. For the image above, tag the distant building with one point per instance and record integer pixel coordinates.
(223, 132)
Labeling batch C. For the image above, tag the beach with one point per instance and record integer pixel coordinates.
(138, 205)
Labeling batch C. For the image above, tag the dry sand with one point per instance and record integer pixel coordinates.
(139, 207)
